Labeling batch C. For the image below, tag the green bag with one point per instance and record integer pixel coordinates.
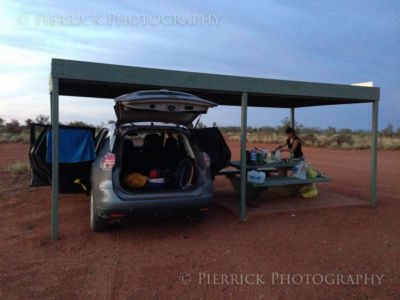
(309, 191)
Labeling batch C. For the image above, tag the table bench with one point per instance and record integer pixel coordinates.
(279, 181)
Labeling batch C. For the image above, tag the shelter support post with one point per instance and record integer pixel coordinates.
(292, 120)
(243, 144)
(54, 166)
(374, 152)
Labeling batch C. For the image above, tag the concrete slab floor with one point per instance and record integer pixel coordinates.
(270, 202)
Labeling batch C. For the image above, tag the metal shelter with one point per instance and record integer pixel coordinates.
(98, 80)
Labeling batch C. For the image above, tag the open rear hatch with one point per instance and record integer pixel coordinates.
(160, 106)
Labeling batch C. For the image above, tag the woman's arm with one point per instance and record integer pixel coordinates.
(280, 146)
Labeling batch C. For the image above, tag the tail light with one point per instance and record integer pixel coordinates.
(108, 161)
(117, 215)
(207, 160)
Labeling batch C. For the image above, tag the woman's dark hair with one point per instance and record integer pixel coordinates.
(290, 130)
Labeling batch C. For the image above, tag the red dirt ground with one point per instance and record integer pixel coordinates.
(145, 259)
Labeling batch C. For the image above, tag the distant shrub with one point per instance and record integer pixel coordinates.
(346, 146)
(361, 141)
(389, 143)
(22, 137)
(80, 124)
(330, 131)
(13, 127)
(323, 141)
(5, 137)
(343, 138)
(388, 131)
(232, 137)
(18, 169)
(42, 119)
(309, 139)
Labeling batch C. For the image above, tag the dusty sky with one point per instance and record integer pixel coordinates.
(327, 41)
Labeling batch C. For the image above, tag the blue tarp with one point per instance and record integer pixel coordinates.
(76, 145)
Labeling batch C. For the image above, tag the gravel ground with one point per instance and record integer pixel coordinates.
(278, 256)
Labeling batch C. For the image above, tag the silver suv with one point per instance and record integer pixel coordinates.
(151, 162)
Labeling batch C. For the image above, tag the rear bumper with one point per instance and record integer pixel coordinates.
(107, 203)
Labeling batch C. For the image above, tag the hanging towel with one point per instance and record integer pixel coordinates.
(75, 145)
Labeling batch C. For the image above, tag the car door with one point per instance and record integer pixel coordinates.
(73, 177)
(211, 141)
(40, 170)
(100, 138)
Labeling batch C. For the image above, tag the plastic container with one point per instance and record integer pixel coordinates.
(155, 182)
(277, 155)
(261, 156)
(256, 176)
(253, 156)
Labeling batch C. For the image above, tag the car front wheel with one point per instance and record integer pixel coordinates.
(96, 224)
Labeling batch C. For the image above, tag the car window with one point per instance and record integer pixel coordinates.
(100, 139)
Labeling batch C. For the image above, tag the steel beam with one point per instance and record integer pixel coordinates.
(243, 144)
(54, 166)
(374, 152)
(292, 119)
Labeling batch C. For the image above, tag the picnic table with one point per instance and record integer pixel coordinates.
(277, 177)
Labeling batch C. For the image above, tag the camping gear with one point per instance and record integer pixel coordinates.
(184, 173)
(256, 156)
(267, 155)
(75, 160)
(78, 181)
(311, 173)
(300, 170)
(155, 182)
(309, 191)
(76, 145)
(276, 155)
(154, 173)
(256, 176)
(135, 180)
(253, 156)
(261, 155)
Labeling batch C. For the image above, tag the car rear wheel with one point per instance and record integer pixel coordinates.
(96, 224)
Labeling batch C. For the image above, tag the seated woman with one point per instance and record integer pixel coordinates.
(293, 144)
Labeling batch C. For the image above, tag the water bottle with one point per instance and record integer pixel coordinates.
(253, 156)
(278, 155)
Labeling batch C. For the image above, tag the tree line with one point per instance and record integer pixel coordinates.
(14, 127)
